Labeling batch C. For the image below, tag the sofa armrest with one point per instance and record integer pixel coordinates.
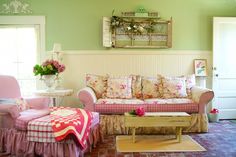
(88, 98)
(38, 102)
(202, 96)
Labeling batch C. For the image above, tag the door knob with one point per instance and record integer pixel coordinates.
(216, 75)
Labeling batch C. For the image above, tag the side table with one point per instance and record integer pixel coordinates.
(55, 94)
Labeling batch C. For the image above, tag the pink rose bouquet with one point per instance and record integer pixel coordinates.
(49, 67)
(138, 111)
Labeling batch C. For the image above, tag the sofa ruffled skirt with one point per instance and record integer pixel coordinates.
(15, 142)
(114, 124)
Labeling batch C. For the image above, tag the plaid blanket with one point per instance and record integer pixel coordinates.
(40, 130)
(66, 120)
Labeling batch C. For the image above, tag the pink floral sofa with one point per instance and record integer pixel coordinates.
(112, 96)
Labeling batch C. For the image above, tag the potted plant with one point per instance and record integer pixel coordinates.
(214, 115)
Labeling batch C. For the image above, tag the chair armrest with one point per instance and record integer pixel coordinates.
(38, 102)
(88, 98)
(11, 109)
(202, 96)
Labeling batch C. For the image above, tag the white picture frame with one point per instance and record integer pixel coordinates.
(200, 67)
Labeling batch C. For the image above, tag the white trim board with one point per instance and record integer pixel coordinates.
(136, 52)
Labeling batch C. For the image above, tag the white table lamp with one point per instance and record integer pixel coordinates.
(58, 51)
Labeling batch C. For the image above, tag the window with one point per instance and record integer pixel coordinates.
(19, 50)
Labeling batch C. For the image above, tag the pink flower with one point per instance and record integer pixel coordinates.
(56, 64)
(140, 111)
(122, 86)
(61, 68)
(214, 110)
(178, 86)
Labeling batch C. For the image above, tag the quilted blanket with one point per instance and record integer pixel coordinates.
(66, 120)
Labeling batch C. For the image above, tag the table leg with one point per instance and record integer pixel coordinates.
(133, 134)
(178, 133)
(127, 130)
(54, 102)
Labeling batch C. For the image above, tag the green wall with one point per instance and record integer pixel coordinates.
(77, 24)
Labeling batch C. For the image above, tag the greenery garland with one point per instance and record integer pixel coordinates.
(130, 26)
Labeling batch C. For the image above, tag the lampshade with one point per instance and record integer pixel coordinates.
(56, 47)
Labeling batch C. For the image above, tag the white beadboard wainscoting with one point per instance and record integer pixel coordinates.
(125, 62)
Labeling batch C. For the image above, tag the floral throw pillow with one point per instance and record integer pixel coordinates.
(174, 87)
(136, 86)
(21, 104)
(150, 87)
(190, 82)
(98, 83)
(119, 87)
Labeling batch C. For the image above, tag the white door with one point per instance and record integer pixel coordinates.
(224, 66)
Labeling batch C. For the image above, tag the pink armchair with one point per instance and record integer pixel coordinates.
(14, 139)
(10, 90)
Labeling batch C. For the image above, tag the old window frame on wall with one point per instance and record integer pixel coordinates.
(137, 30)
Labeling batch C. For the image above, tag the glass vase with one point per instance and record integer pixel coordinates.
(49, 81)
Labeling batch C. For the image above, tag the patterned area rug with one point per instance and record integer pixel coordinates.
(157, 143)
(220, 141)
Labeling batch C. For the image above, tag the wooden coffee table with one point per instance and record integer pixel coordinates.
(159, 119)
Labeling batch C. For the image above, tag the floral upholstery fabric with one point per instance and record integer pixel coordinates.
(150, 87)
(174, 87)
(137, 86)
(21, 104)
(190, 82)
(97, 83)
(119, 87)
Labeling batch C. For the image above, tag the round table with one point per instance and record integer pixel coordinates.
(55, 94)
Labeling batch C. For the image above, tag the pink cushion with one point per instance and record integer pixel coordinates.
(117, 108)
(28, 115)
(171, 105)
(119, 101)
